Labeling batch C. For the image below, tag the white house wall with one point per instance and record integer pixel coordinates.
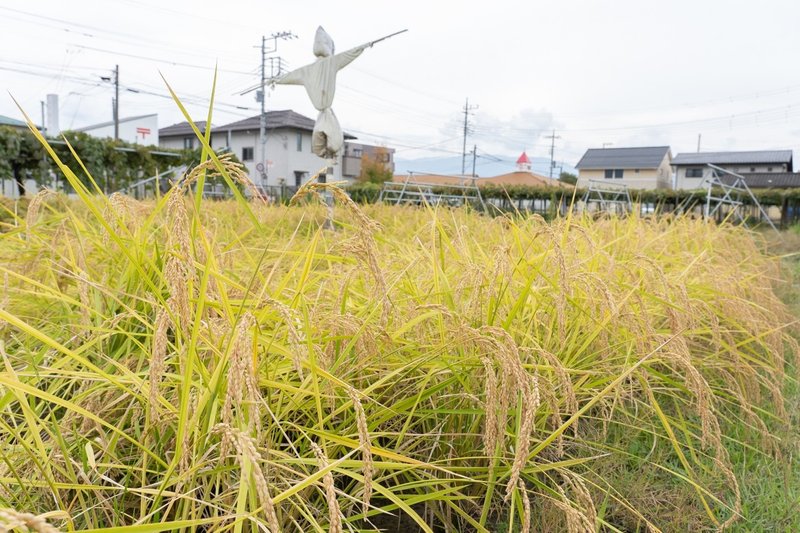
(283, 158)
(142, 131)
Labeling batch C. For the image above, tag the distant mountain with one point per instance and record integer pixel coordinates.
(484, 168)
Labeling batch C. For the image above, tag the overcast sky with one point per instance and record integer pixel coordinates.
(627, 72)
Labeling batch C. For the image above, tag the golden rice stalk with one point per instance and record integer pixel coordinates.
(32, 215)
(236, 171)
(525, 527)
(83, 286)
(364, 246)
(242, 381)
(293, 325)
(177, 277)
(12, 520)
(577, 521)
(120, 211)
(725, 468)
(246, 452)
(367, 468)
(158, 360)
(179, 228)
(491, 429)
(335, 514)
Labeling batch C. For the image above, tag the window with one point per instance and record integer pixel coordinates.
(636, 170)
(752, 169)
(247, 153)
(356, 152)
(694, 172)
(299, 141)
(299, 175)
(769, 169)
(188, 143)
(610, 172)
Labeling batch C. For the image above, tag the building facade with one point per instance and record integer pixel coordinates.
(691, 169)
(287, 159)
(136, 130)
(354, 154)
(636, 167)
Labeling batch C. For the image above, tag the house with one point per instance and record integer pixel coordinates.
(142, 129)
(287, 160)
(767, 180)
(181, 136)
(645, 167)
(355, 152)
(692, 168)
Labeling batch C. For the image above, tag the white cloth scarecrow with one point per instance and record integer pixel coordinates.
(319, 79)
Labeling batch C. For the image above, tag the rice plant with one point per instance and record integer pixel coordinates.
(179, 364)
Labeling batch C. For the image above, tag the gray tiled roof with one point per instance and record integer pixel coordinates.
(275, 119)
(637, 157)
(181, 128)
(759, 157)
(767, 180)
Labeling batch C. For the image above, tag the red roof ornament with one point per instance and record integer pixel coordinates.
(523, 159)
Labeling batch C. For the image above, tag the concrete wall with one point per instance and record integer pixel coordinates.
(129, 130)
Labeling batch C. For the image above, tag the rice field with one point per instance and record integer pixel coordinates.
(188, 365)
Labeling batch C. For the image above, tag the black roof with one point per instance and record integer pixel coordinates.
(756, 157)
(766, 180)
(275, 119)
(181, 128)
(634, 157)
(285, 118)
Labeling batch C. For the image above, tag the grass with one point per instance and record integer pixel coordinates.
(231, 366)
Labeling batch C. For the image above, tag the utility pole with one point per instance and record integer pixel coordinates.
(467, 109)
(261, 97)
(474, 156)
(552, 138)
(44, 128)
(699, 135)
(116, 102)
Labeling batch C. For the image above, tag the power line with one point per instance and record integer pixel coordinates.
(165, 61)
(110, 35)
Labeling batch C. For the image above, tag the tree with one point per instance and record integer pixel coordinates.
(375, 167)
(20, 155)
(568, 177)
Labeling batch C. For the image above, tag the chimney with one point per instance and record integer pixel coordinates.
(53, 128)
